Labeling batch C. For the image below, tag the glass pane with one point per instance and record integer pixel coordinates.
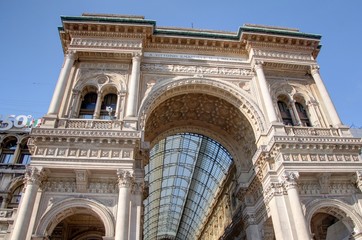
(184, 173)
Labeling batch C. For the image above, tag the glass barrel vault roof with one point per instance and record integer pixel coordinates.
(185, 173)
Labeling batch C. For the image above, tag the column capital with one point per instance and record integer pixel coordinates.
(258, 64)
(314, 69)
(273, 189)
(136, 55)
(71, 54)
(289, 179)
(125, 178)
(33, 176)
(359, 180)
(137, 188)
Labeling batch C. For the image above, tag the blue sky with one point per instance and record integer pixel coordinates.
(31, 54)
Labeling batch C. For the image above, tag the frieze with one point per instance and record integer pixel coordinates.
(313, 188)
(194, 57)
(320, 158)
(105, 43)
(104, 66)
(85, 153)
(69, 185)
(285, 55)
(95, 133)
(176, 68)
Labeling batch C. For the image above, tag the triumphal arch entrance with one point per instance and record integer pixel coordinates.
(167, 133)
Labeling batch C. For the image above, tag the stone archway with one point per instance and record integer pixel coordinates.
(333, 214)
(63, 209)
(210, 108)
(220, 89)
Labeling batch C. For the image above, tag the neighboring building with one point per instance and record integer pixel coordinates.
(14, 156)
(167, 133)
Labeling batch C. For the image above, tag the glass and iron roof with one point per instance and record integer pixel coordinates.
(185, 173)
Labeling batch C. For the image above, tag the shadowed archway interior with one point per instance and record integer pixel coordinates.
(185, 173)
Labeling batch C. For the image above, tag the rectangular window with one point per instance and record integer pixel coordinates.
(25, 159)
(6, 158)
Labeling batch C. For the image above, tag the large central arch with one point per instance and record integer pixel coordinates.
(201, 107)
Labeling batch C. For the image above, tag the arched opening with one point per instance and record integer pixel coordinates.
(83, 225)
(89, 216)
(88, 105)
(9, 146)
(25, 156)
(109, 106)
(302, 113)
(200, 143)
(325, 226)
(285, 112)
(15, 196)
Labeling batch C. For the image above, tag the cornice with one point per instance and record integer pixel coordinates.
(84, 133)
(182, 38)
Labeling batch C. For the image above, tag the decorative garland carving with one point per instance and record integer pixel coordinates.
(204, 70)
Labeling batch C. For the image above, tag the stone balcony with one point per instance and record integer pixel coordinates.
(310, 131)
(7, 215)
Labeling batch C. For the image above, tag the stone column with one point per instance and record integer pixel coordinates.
(97, 109)
(265, 94)
(325, 97)
(16, 154)
(119, 102)
(132, 99)
(280, 218)
(33, 178)
(62, 82)
(122, 222)
(136, 211)
(295, 113)
(290, 183)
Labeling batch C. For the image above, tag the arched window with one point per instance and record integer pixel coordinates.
(25, 155)
(285, 113)
(109, 101)
(88, 106)
(302, 113)
(16, 197)
(8, 150)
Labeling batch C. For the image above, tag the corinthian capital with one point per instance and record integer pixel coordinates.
(314, 69)
(258, 64)
(289, 179)
(125, 178)
(33, 176)
(359, 180)
(71, 54)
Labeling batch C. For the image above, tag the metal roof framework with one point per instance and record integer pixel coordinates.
(185, 173)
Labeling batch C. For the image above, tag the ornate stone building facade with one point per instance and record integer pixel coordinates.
(166, 133)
